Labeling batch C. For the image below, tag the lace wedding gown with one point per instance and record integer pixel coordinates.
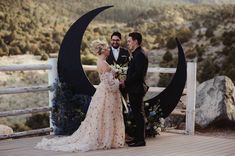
(103, 127)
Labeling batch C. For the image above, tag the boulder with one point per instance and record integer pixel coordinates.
(215, 102)
(5, 130)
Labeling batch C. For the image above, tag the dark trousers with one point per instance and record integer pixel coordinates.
(137, 106)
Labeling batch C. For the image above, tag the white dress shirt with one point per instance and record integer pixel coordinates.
(115, 53)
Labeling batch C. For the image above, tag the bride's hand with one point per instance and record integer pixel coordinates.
(122, 84)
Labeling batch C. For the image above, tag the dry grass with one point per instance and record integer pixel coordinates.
(19, 79)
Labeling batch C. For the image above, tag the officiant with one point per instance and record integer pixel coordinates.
(118, 55)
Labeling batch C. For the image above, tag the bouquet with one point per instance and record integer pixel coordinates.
(120, 71)
(120, 74)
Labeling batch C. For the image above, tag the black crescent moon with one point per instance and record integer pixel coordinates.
(170, 96)
(70, 69)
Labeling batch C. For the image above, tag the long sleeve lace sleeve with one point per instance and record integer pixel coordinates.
(111, 84)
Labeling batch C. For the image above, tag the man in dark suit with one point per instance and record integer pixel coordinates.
(136, 87)
(118, 54)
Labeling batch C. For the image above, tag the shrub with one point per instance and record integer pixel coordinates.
(191, 55)
(93, 77)
(164, 79)
(229, 38)
(231, 74)
(14, 51)
(214, 41)
(231, 56)
(44, 56)
(226, 50)
(9, 38)
(97, 30)
(208, 70)
(209, 33)
(171, 44)
(19, 127)
(88, 59)
(57, 37)
(37, 121)
(184, 35)
(200, 50)
(167, 57)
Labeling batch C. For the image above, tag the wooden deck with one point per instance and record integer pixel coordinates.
(167, 144)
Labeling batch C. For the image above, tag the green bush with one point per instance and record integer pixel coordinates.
(184, 35)
(93, 77)
(226, 50)
(229, 38)
(214, 41)
(208, 70)
(164, 79)
(191, 55)
(37, 121)
(44, 56)
(14, 51)
(231, 56)
(19, 127)
(88, 59)
(9, 38)
(231, 74)
(97, 30)
(171, 44)
(200, 50)
(57, 37)
(2, 53)
(209, 33)
(167, 57)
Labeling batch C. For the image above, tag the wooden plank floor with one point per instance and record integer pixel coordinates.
(167, 144)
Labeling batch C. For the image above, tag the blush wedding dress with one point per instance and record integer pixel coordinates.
(103, 127)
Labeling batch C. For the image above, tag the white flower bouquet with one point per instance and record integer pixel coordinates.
(120, 74)
(120, 71)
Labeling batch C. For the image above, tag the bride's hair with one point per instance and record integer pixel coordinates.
(97, 46)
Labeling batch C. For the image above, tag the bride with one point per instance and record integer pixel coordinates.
(103, 127)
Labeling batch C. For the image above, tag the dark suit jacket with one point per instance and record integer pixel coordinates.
(136, 73)
(123, 57)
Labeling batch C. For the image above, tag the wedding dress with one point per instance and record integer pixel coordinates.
(103, 127)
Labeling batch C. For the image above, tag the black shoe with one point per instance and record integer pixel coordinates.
(131, 141)
(137, 144)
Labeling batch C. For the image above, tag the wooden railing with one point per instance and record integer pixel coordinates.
(52, 77)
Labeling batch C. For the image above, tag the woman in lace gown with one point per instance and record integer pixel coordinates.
(103, 127)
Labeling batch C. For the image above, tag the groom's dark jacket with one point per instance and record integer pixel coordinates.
(136, 73)
(123, 57)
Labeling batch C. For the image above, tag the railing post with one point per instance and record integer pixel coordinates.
(52, 77)
(191, 97)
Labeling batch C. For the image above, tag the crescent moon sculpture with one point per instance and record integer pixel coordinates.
(70, 70)
(170, 96)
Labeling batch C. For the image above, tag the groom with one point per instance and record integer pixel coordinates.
(136, 87)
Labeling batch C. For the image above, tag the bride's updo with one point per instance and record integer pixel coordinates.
(97, 46)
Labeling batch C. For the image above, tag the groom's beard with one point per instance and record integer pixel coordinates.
(115, 46)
